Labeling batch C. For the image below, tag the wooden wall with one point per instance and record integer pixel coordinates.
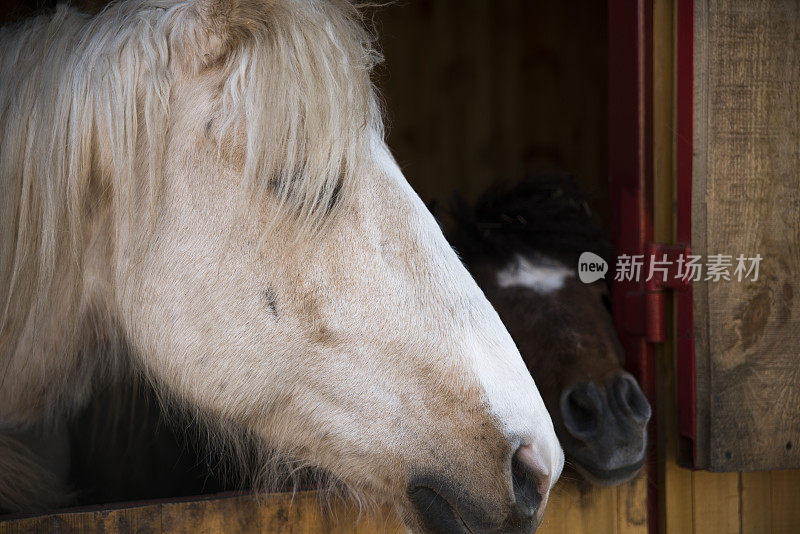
(479, 90)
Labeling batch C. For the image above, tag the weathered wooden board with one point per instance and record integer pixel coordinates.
(274, 513)
(699, 229)
(747, 141)
(572, 510)
(700, 502)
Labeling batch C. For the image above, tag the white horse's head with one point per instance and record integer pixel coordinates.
(227, 205)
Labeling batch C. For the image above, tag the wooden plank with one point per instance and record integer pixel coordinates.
(141, 519)
(716, 503)
(678, 497)
(675, 496)
(700, 231)
(234, 514)
(273, 513)
(674, 484)
(510, 131)
(756, 502)
(752, 204)
(561, 499)
(576, 507)
(785, 502)
(632, 506)
(597, 511)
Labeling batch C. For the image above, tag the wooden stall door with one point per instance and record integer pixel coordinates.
(746, 200)
(703, 502)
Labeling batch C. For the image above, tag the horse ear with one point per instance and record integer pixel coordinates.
(209, 29)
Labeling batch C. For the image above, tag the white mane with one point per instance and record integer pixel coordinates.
(84, 122)
(85, 105)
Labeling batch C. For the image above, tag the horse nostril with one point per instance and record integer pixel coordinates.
(582, 409)
(527, 483)
(629, 397)
(435, 511)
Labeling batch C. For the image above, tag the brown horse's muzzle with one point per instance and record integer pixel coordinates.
(606, 425)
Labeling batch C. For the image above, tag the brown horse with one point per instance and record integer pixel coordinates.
(522, 246)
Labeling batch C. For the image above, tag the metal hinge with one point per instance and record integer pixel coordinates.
(669, 277)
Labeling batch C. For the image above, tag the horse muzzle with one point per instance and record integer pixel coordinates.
(441, 507)
(606, 425)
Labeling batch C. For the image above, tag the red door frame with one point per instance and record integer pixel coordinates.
(630, 99)
(630, 71)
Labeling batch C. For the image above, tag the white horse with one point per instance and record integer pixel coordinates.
(206, 182)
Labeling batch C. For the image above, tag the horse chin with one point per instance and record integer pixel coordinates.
(609, 477)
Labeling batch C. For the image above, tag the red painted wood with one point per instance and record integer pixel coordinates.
(687, 422)
(630, 72)
(657, 288)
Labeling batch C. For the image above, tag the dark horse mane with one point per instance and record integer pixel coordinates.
(544, 213)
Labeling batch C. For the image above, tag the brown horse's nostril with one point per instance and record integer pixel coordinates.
(630, 399)
(582, 410)
(605, 427)
(527, 484)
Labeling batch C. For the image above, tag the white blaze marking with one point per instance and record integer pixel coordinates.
(545, 277)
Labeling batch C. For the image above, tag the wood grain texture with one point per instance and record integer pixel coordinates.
(699, 230)
(785, 497)
(756, 502)
(716, 503)
(704, 502)
(574, 508)
(632, 506)
(478, 91)
(752, 205)
(275, 513)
